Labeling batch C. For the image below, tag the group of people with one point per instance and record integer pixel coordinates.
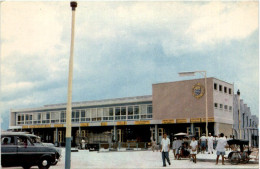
(182, 148)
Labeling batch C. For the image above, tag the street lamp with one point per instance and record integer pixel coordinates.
(68, 110)
(203, 73)
(239, 120)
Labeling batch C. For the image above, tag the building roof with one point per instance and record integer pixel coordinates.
(124, 100)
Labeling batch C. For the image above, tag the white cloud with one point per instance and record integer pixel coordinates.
(216, 22)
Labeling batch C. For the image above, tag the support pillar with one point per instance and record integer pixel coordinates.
(192, 128)
(57, 135)
(115, 133)
(216, 128)
(156, 133)
(79, 131)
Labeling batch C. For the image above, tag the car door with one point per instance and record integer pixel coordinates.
(26, 151)
(8, 150)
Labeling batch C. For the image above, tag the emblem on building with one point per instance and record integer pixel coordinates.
(198, 90)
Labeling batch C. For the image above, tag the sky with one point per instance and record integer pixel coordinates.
(122, 48)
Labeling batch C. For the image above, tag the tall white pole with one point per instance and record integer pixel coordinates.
(206, 93)
(68, 110)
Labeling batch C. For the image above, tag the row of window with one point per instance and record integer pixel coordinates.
(221, 88)
(134, 112)
(220, 106)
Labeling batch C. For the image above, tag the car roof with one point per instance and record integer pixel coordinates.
(16, 133)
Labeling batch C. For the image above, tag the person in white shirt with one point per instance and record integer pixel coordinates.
(165, 148)
(203, 142)
(175, 146)
(193, 147)
(210, 143)
(83, 143)
(178, 145)
(222, 142)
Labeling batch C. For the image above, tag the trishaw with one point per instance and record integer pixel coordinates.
(238, 154)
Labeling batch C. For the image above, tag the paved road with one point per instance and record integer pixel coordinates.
(138, 159)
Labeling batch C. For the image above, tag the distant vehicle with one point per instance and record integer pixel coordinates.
(18, 149)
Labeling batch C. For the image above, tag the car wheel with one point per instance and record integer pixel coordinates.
(44, 163)
(26, 167)
(54, 163)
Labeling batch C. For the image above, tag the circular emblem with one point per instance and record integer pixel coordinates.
(198, 90)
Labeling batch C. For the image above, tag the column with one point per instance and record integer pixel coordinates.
(216, 128)
(57, 136)
(115, 133)
(79, 131)
(192, 128)
(156, 133)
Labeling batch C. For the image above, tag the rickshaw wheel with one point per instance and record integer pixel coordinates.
(235, 159)
(244, 158)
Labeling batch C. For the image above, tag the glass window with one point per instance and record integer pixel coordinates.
(117, 112)
(216, 105)
(220, 88)
(7, 140)
(215, 86)
(39, 116)
(63, 116)
(111, 111)
(83, 113)
(94, 114)
(123, 111)
(88, 114)
(225, 89)
(143, 109)
(230, 91)
(226, 107)
(230, 108)
(221, 106)
(136, 110)
(130, 110)
(106, 112)
(149, 109)
(47, 116)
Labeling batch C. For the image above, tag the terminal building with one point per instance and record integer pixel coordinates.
(173, 107)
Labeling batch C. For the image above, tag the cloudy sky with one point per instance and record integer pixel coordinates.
(122, 48)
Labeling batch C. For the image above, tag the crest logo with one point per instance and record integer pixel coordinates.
(198, 90)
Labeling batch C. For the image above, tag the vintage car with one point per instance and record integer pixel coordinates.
(17, 149)
(37, 141)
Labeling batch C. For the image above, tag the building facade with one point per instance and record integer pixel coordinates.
(245, 125)
(173, 107)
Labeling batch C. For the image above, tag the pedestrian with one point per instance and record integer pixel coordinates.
(210, 144)
(153, 144)
(175, 146)
(222, 141)
(215, 142)
(165, 148)
(178, 145)
(193, 147)
(203, 142)
(83, 143)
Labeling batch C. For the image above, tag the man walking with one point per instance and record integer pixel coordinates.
(210, 144)
(222, 141)
(165, 148)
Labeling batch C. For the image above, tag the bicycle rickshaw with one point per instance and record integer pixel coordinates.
(238, 155)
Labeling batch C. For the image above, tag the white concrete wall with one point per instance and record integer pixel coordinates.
(222, 115)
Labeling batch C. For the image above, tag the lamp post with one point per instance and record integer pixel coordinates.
(68, 109)
(239, 121)
(203, 73)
